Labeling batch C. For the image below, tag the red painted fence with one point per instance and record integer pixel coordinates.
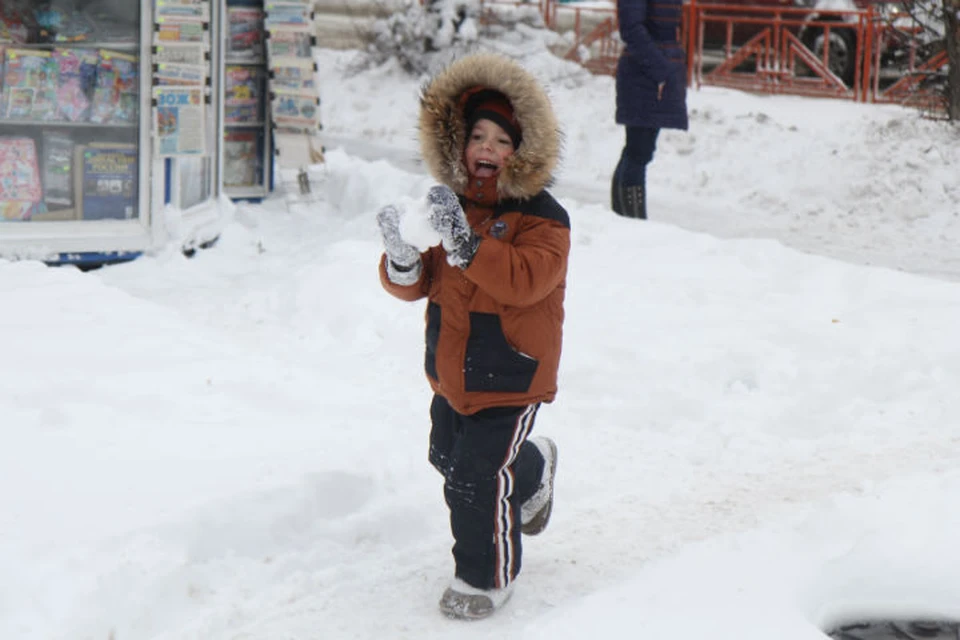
(783, 50)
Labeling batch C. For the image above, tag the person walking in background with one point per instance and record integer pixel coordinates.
(495, 287)
(651, 93)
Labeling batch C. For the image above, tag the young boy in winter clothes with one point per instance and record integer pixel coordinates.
(495, 288)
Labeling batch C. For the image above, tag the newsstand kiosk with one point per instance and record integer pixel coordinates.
(109, 128)
(271, 100)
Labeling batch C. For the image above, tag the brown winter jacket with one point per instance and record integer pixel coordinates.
(494, 329)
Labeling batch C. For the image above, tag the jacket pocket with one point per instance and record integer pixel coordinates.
(491, 364)
(433, 335)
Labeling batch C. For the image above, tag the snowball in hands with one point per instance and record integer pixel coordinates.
(415, 225)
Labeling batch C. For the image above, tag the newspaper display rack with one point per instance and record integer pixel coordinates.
(183, 120)
(181, 77)
(294, 99)
(245, 140)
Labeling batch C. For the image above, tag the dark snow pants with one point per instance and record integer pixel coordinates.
(489, 470)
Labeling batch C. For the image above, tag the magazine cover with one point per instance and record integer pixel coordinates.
(78, 76)
(30, 82)
(198, 10)
(295, 111)
(179, 75)
(20, 188)
(115, 95)
(179, 125)
(292, 43)
(57, 169)
(243, 94)
(181, 53)
(296, 75)
(245, 39)
(107, 181)
(242, 162)
(178, 30)
(239, 114)
(288, 13)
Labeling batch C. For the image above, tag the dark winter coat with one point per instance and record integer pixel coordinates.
(494, 329)
(652, 54)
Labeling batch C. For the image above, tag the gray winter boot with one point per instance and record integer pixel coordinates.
(535, 512)
(463, 602)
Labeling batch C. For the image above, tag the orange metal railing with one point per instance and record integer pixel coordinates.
(777, 58)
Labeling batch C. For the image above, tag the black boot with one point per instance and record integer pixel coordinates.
(616, 197)
(635, 202)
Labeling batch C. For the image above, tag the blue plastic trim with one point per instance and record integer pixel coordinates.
(167, 180)
(271, 184)
(95, 258)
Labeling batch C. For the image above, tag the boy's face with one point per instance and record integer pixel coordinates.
(487, 149)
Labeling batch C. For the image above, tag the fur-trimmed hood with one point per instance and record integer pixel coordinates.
(443, 128)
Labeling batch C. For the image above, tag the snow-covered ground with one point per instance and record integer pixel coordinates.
(758, 421)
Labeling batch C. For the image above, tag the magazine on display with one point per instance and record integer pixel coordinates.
(198, 10)
(174, 30)
(288, 14)
(290, 43)
(176, 53)
(245, 34)
(30, 83)
(295, 75)
(57, 168)
(78, 77)
(243, 95)
(115, 94)
(240, 114)
(179, 121)
(295, 111)
(107, 179)
(183, 75)
(20, 188)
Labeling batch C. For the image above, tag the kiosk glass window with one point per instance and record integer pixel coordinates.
(69, 110)
(196, 181)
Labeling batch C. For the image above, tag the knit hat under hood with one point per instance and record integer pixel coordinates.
(444, 123)
(492, 105)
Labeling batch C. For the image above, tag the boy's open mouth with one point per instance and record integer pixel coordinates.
(486, 169)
